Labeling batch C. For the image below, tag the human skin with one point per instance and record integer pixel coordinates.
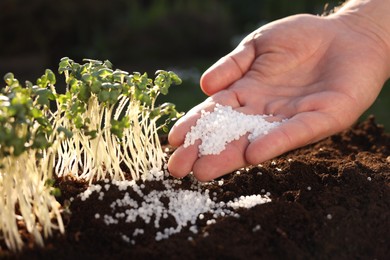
(321, 73)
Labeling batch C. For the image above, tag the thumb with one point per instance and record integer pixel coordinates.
(228, 69)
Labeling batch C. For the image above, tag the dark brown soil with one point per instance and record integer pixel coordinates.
(330, 200)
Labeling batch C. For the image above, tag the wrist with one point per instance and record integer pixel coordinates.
(370, 18)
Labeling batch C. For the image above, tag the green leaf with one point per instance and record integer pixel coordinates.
(56, 192)
(105, 72)
(40, 141)
(92, 134)
(73, 85)
(50, 76)
(78, 122)
(118, 126)
(63, 99)
(117, 86)
(18, 146)
(65, 131)
(103, 96)
(44, 96)
(119, 75)
(36, 113)
(107, 85)
(114, 95)
(50, 182)
(9, 78)
(29, 84)
(64, 65)
(96, 86)
(107, 64)
(87, 78)
(144, 98)
(93, 62)
(165, 128)
(155, 113)
(84, 93)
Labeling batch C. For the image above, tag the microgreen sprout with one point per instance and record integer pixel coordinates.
(26, 161)
(112, 116)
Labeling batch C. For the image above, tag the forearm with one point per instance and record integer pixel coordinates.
(371, 17)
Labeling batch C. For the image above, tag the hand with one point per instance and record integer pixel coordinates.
(321, 73)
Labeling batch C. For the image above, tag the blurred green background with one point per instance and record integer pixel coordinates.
(185, 36)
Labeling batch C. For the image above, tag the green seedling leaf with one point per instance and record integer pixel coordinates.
(140, 81)
(165, 128)
(114, 95)
(76, 68)
(46, 79)
(103, 96)
(66, 132)
(63, 100)
(117, 86)
(50, 182)
(107, 64)
(96, 86)
(165, 79)
(105, 72)
(40, 141)
(11, 81)
(50, 76)
(145, 99)
(118, 126)
(36, 113)
(73, 85)
(77, 108)
(175, 78)
(65, 65)
(56, 192)
(29, 84)
(93, 62)
(155, 113)
(18, 146)
(107, 85)
(9, 78)
(92, 134)
(87, 78)
(44, 96)
(78, 121)
(119, 75)
(84, 93)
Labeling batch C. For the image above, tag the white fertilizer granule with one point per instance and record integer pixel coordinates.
(218, 128)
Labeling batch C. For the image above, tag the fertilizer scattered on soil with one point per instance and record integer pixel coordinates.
(218, 128)
(185, 206)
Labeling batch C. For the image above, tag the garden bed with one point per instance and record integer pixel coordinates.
(329, 200)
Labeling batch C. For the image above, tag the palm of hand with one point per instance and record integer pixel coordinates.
(305, 68)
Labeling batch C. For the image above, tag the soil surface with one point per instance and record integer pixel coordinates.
(330, 200)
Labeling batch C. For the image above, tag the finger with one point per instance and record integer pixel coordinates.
(228, 69)
(298, 131)
(209, 167)
(177, 133)
(181, 162)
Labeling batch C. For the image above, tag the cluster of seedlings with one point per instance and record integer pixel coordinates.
(105, 121)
